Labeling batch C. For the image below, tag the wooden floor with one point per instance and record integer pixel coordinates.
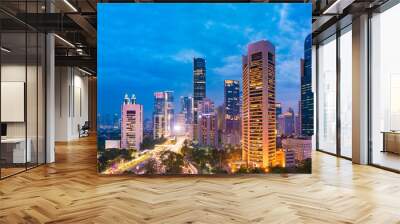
(70, 191)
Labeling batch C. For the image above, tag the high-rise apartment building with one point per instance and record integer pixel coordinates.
(231, 129)
(163, 115)
(131, 123)
(199, 87)
(307, 96)
(258, 116)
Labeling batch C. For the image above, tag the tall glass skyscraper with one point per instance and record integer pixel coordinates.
(231, 132)
(187, 108)
(199, 87)
(258, 116)
(199, 83)
(307, 96)
(163, 115)
(278, 110)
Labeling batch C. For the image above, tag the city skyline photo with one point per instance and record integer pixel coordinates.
(199, 88)
(156, 54)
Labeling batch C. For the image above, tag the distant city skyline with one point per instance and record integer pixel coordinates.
(147, 65)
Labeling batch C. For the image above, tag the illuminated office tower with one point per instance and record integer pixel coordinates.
(286, 123)
(159, 115)
(280, 124)
(307, 96)
(258, 116)
(163, 115)
(290, 122)
(199, 87)
(180, 124)
(187, 108)
(131, 123)
(206, 106)
(297, 119)
(187, 111)
(169, 112)
(231, 130)
(278, 111)
(207, 128)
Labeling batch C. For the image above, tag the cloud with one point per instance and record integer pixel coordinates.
(288, 72)
(228, 26)
(232, 66)
(209, 24)
(186, 55)
(285, 24)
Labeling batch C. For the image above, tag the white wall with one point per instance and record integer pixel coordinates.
(71, 103)
(385, 74)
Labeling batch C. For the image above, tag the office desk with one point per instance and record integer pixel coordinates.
(391, 141)
(13, 150)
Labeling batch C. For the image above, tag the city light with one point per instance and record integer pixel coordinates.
(177, 128)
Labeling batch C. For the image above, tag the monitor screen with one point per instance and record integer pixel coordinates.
(3, 129)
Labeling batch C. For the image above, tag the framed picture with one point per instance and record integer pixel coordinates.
(204, 88)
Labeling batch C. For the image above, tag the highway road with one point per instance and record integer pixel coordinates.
(154, 153)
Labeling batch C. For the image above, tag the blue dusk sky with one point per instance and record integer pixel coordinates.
(144, 48)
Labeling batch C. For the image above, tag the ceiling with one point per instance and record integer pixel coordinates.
(73, 21)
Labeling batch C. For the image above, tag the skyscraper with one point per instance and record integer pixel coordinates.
(278, 111)
(290, 122)
(258, 118)
(163, 114)
(286, 123)
(278, 108)
(187, 111)
(180, 124)
(207, 128)
(297, 120)
(199, 87)
(131, 123)
(169, 109)
(231, 130)
(307, 96)
(187, 108)
(297, 125)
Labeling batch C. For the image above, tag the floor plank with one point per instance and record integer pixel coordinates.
(70, 191)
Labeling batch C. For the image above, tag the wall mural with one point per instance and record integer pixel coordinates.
(202, 88)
